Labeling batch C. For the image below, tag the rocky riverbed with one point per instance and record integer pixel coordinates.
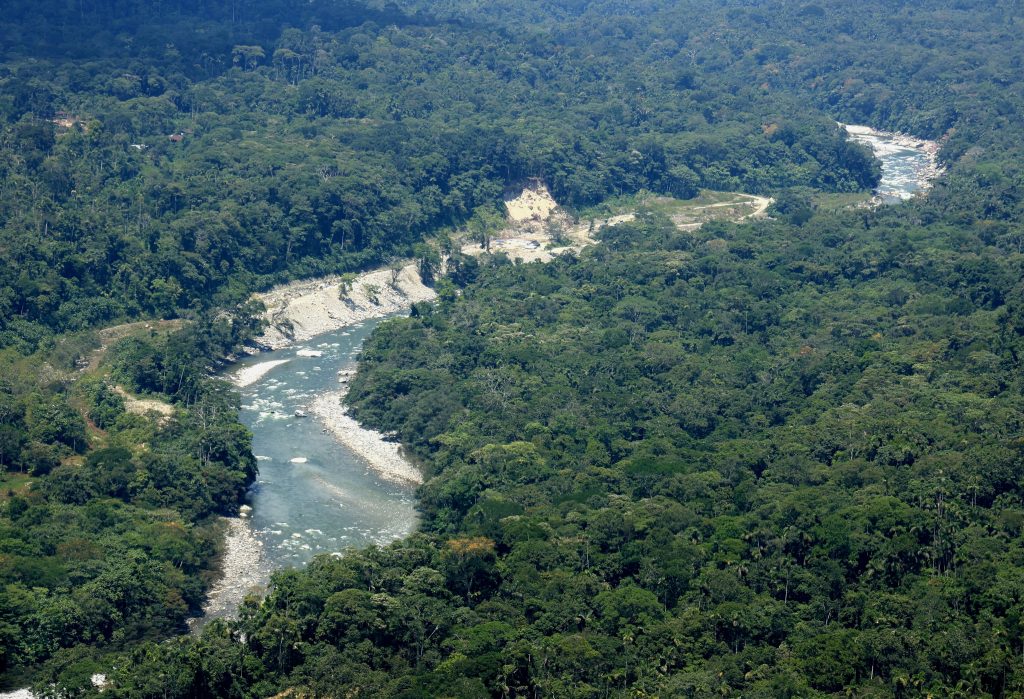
(383, 456)
(325, 482)
(909, 164)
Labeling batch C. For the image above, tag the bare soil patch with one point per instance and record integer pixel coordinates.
(538, 229)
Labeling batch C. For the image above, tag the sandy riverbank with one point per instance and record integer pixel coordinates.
(251, 374)
(382, 456)
(318, 306)
(313, 308)
(243, 570)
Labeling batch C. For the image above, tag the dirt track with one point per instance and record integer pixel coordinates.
(532, 214)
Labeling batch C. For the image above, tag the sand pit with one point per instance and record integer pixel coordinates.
(534, 203)
(533, 217)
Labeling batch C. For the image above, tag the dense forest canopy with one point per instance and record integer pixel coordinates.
(107, 535)
(162, 176)
(773, 459)
(750, 460)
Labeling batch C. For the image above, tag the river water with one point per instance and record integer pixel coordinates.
(313, 495)
(908, 164)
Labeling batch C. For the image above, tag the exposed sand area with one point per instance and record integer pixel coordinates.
(145, 406)
(251, 374)
(382, 456)
(538, 230)
(533, 216)
(316, 307)
(533, 204)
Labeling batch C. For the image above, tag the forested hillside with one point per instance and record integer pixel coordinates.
(749, 460)
(773, 459)
(107, 534)
(147, 177)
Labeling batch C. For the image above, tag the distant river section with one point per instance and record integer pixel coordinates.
(313, 495)
(908, 164)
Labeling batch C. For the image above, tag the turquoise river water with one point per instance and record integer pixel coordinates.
(313, 494)
(908, 164)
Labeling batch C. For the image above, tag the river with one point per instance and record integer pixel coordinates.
(908, 164)
(313, 494)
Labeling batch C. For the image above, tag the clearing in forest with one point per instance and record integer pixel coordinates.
(145, 406)
(538, 229)
(707, 206)
(110, 336)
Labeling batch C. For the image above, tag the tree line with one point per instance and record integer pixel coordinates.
(777, 459)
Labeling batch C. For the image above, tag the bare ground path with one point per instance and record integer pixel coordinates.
(534, 216)
(109, 336)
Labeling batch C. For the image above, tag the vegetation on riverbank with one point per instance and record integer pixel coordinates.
(340, 144)
(759, 459)
(774, 459)
(108, 533)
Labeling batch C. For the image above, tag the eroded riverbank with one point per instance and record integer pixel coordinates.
(319, 306)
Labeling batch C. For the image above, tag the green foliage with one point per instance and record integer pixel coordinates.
(772, 460)
(656, 465)
(796, 206)
(102, 552)
(176, 169)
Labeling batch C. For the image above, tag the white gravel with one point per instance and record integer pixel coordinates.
(382, 456)
(244, 569)
(252, 374)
